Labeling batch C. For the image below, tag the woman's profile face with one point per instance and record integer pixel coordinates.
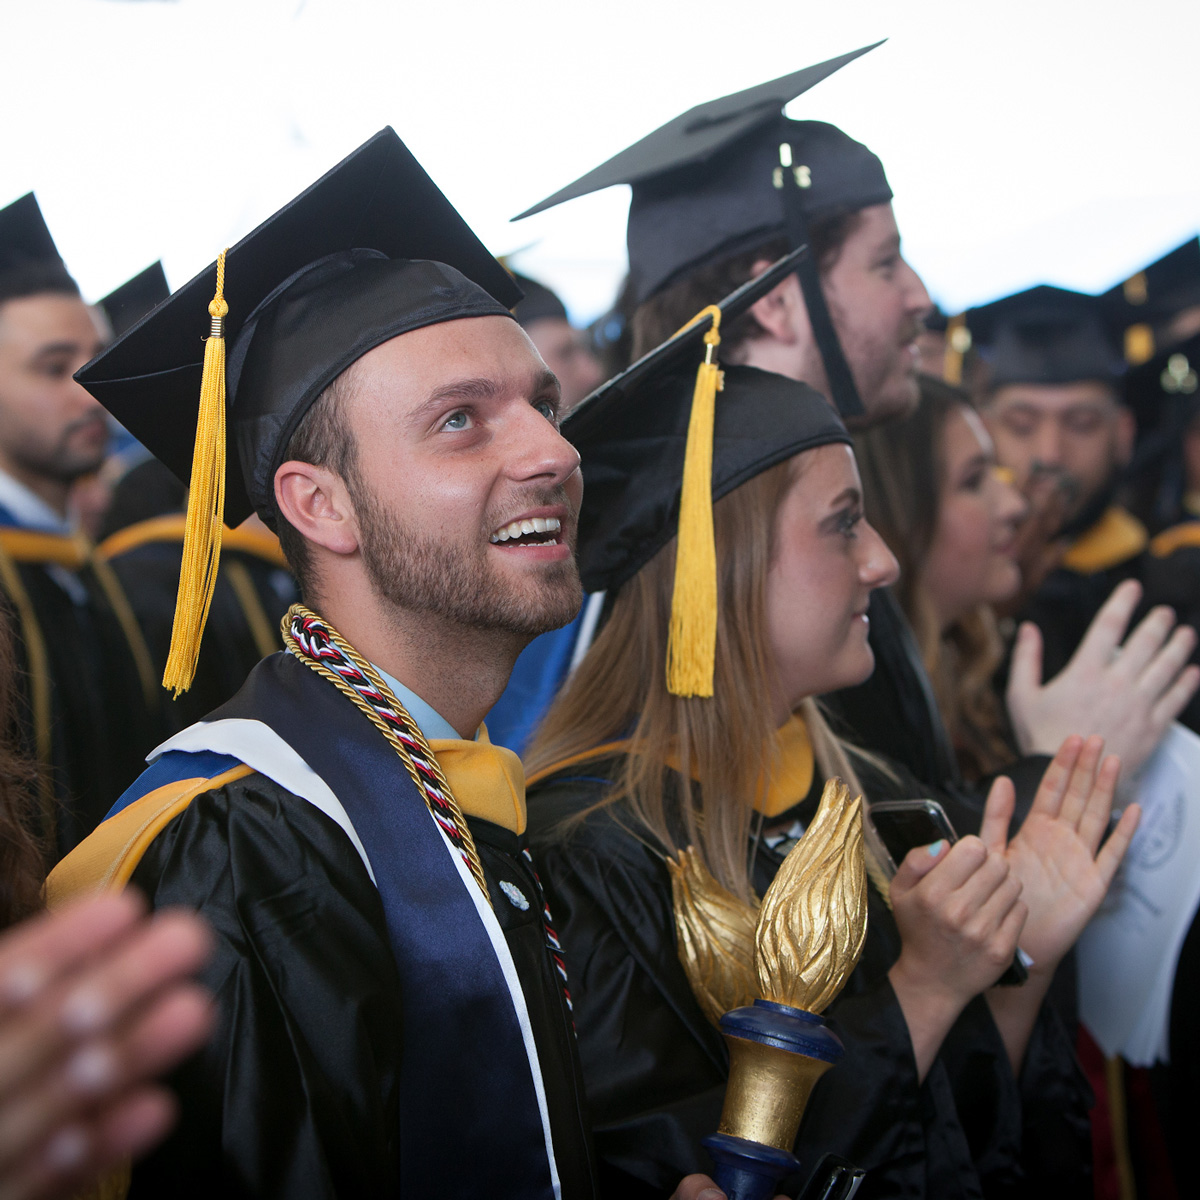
(827, 562)
(971, 560)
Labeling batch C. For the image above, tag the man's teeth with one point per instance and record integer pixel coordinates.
(516, 529)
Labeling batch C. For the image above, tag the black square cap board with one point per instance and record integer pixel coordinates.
(368, 252)
(126, 305)
(632, 434)
(29, 258)
(1046, 335)
(732, 174)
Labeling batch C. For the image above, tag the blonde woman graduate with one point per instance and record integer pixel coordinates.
(950, 1086)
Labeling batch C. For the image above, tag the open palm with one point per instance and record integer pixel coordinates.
(1057, 855)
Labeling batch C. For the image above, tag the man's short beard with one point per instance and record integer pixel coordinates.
(452, 580)
(60, 462)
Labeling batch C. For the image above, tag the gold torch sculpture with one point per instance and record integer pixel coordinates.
(807, 937)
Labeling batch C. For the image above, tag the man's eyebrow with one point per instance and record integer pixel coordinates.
(52, 348)
(481, 388)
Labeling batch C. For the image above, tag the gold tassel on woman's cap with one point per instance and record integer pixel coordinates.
(692, 641)
(206, 506)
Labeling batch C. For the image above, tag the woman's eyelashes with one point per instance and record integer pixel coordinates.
(847, 522)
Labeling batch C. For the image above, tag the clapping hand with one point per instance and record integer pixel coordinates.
(1057, 853)
(1127, 694)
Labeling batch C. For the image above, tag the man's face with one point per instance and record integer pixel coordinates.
(50, 428)
(1075, 431)
(466, 493)
(565, 351)
(877, 302)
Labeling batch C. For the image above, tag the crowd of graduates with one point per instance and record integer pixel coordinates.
(955, 557)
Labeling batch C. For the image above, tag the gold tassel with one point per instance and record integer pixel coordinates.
(206, 506)
(692, 641)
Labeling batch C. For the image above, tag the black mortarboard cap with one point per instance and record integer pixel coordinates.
(632, 434)
(368, 252)
(29, 259)
(1045, 335)
(538, 302)
(126, 305)
(1148, 299)
(731, 175)
(704, 184)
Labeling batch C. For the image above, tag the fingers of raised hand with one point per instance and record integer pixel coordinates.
(1057, 775)
(997, 813)
(35, 955)
(1082, 783)
(1175, 699)
(1113, 850)
(79, 1151)
(1025, 672)
(168, 948)
(1144, 644)
(1098, 810)
(1106, 630)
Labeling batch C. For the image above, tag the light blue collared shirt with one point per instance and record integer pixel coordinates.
(28, 509)
(429, 721)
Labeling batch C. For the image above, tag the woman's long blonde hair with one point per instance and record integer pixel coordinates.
(720, 748)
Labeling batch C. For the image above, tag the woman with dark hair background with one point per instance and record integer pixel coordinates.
(951, 515)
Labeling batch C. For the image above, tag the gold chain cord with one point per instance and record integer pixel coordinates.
(468, 842)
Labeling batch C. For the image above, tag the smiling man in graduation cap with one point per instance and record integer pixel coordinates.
(717, 194)
(393, 1014)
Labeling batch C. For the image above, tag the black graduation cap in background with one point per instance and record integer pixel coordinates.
(126, 305)
(368, 252)
(27, 250)
(538, 302)
(1164, 395)
(319, 263)
(632, 436)
(730, 175)
(1045, 335)
(1151, 297)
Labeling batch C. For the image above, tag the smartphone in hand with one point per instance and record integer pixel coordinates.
(904, 824)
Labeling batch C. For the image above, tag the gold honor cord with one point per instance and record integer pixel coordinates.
(410, 726)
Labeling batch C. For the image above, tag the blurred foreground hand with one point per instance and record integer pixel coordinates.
(96, 1001)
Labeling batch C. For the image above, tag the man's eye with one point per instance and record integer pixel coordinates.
(1019, 425)
(1084, 422)
(456, 420)
(548, 409)
(55, 370)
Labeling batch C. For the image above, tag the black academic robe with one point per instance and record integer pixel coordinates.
(655, 1068)
(252, 593)
(104, 714)
(296, 1094)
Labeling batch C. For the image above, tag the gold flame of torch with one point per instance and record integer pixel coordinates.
(808, 937)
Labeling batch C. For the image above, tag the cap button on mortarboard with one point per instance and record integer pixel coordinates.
(206, 506)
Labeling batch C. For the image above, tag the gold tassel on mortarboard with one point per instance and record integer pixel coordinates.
(206, 506)
(692, 642)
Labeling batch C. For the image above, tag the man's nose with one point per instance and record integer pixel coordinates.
(541, 452)
(916, 297)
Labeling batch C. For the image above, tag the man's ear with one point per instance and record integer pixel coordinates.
(315, 501)
(781, 312)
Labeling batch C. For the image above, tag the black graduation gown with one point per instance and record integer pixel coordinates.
(104, 716)
(655, 1068)
(295, 1095)
(252, 593)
